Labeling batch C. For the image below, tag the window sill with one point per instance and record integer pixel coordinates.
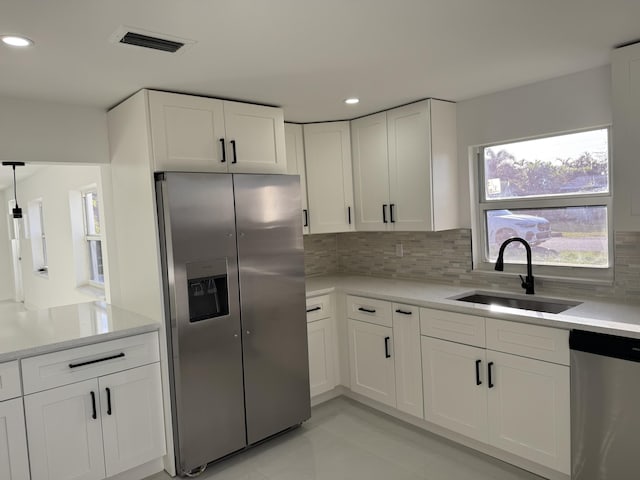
(603, 281)
(42, 274)
(91, 291)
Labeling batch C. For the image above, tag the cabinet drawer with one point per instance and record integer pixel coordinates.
(9, 380)
(77, 364)
(318, 308)
(456, 327)
(369, 310)
(533, 341)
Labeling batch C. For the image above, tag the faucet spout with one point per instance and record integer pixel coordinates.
(528, 282)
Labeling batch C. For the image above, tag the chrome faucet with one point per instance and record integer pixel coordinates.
(527, 283)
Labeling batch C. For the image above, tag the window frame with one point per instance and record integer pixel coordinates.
(480, 205)
(38, 237)
(88, 237)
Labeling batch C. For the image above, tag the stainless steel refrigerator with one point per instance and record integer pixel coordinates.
(233, 265)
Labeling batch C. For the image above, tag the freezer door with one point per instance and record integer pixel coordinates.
(272, 293)
(201, 278)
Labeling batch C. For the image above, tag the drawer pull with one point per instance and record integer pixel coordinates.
(94, 415)
(367, 310)
(314, 309)
(82, 364)
(108, 400)
(478, 381)
(404, 312)
(386, 347)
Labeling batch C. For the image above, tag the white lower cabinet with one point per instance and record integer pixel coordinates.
(96, 428)
(132, 418)
(321, 369)
(65, 433)
(529, 409)
(371, 361)
(455, 395)
(406, 352)
(14, 462)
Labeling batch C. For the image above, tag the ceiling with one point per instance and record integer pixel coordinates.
(308, 56)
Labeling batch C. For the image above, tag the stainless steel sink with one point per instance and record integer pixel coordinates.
(538, 304)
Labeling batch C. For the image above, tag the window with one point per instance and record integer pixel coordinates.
(555, 193)
(93, 237)
(38, 237)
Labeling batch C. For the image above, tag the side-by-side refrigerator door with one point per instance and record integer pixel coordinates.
(272, 292)
(197, 218)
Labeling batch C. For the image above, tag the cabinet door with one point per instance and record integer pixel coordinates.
(321, 376)
(371, 172)
(65, 440)
(529, 409)
(452, 397)
(329, 177)
(255, 138)
(186, 133)
(132, 418)
(371, 361)
(407, 359)
(14, 462)
(410, 182)
(295, 165)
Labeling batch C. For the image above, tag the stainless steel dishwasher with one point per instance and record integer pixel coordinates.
(605, 406)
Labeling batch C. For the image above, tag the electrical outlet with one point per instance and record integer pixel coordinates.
(399, 250)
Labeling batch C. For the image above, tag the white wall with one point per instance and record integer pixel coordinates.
(572, 102)
(36, 131)
(52, 185)
(6, 268)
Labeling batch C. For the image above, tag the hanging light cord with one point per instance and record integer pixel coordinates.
(15, 193)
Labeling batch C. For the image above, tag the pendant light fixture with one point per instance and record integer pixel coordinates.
(17, 211)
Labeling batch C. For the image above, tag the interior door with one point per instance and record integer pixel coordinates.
(272, 292)
(201, 268)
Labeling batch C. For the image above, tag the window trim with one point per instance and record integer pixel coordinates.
(88, 238)
(479, 205)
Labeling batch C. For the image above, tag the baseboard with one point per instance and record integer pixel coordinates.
(143, 471)
(519, 462)
(331, 394)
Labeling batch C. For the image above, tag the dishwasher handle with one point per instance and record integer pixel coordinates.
(605, 345)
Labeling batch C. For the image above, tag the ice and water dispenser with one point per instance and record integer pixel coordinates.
(207, 289)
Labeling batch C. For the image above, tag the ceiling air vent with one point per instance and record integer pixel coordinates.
(132, 38)
(146, 39)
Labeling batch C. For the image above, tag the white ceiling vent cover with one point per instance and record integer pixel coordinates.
(138, 37)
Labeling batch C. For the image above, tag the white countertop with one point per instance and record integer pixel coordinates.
(24, 333)
(614, 317)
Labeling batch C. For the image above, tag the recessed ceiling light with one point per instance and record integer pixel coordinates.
(352, 101)
(16, 41)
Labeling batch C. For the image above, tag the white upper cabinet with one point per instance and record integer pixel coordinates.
(329, 177)
(294, 142)
(191, 133)
(405, 168)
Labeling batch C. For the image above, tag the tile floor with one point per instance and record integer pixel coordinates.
(345, 440)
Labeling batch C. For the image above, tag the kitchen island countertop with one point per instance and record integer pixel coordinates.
(610, 316)
(24, 333)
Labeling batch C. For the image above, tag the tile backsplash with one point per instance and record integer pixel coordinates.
(446, 257)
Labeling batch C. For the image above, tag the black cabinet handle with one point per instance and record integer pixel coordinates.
(314, 309)
(94, 415)
(384, 213)
(235, 155)
(478, 381)
(489, 365)
(386, 347)
(404, 312)
(224, 151)
(82, 364)
(391, 208)
(362, 309)
(108, 400)
(306, 217)
(349, 215)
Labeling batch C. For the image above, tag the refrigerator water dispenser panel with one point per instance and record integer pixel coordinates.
(207, 290)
